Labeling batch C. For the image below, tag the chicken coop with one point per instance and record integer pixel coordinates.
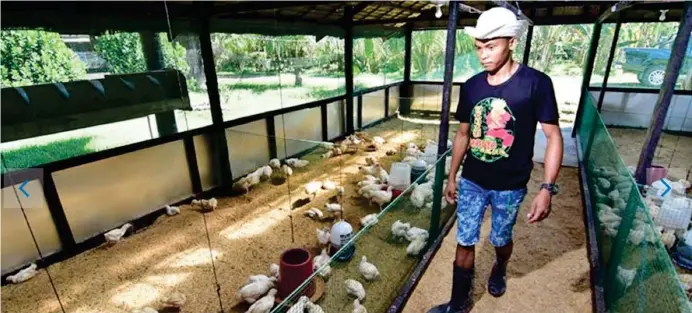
(238, 156)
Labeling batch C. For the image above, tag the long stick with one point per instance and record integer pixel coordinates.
(444, 120)
(666, 95)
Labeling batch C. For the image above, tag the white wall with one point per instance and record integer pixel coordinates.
(636, 110)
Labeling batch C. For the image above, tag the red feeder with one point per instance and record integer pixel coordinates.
(395, 192)
(295, 268)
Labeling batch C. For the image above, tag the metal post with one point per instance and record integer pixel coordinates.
(666, 95)
(219, 135)
(151, 46)
(348, 64)
(527, 47)
(444, 119)
(406, 89)
(588, 70)
(611, 56)
(407, 52)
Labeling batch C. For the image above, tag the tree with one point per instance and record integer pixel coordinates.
(124, 54)
(32, 57)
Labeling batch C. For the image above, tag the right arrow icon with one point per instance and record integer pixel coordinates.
(667, 187)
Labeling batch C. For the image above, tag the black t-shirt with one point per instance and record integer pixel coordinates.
(503, 122)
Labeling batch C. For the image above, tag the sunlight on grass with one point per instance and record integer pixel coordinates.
(35, 155)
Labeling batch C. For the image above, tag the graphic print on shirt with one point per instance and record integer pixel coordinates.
(492, 130)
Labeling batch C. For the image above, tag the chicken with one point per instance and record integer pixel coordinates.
(172, 210)
(365, 190)
(381, 197)
(680, 187)
(399, 229)
(256, 278)
(415, 232)
(367, 182)
(298, 163)
(274, 163)
(206, 205)
(312, 188)
(625, 276)
(266, 172)
(23, 275)
(413, 152)
(115, 235)
(333, 207)
(668, 238)
(416, 246)
(328, 184)
(315, 214)
(355, 289)
(318, 260)
(263, 305)
(314, 308)
(421, 194)
(174, 300)
(274, 270)
(323, 235)
(378, 140)
(367, 269)
(255, 177)
(370, 219)
(327, 154)
(299, 307)
(375, 170)
(287, 170)
(242, 184)
(255, 290)
(357, 307)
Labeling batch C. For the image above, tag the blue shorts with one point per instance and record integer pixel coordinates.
(471, 207)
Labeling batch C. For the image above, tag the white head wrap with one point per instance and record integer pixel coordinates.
(497, 22)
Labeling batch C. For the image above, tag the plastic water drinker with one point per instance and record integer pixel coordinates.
(675, 213)
(400, 176)
(419, 167)
(430, 154)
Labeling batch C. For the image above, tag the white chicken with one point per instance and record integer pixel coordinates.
(421, 194)
(367, 269)
(355, 289)
(327, 154)
(668, 238)
(274, 270)
(323, 235)
(314, 308)
(297, 163)
(365, 190)
(375, 170)
(113, 236)
(399, 229)
(680, 187)
(381, 197)
(370, 219)
(266, 172)
(328, 184)
(626, 276)
(333, 207)
(320, 261)
(256, 278)
(358, 308)
(315, 214)
(299, 306)
(312, 188)
(255, 290)
(275, 163)
(263, 305)
(206, 205)
(378, 140)
(242, 184)
(413, 152)
(23, 275)
(172, 210)
(287, 170)
(367, 182)
(415, 232)
(174, 300)
(416, 246)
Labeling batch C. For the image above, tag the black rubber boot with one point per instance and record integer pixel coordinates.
(462, 293)
(497, 283)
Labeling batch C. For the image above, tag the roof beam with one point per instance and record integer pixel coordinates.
(396, 5)
(516, 10)
(620, 6)
(253, 6)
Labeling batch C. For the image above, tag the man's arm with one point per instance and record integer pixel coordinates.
(553, 152)
(459, 146)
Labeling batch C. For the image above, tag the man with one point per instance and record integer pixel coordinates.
(498, 111)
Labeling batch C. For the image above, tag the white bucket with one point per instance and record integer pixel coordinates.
(400, 176)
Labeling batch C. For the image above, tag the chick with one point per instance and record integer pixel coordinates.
(23, 275)
(367, 269)
(355, 289)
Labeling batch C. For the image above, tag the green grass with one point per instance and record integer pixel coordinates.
(255, 88)
(323, 93)
(31, 156)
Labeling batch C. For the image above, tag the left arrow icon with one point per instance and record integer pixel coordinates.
(21, 188)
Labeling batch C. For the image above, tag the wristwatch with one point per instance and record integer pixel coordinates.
(553, 188)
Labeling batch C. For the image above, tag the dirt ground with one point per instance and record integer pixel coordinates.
(247, 233)
(673, 152)
(548, 272)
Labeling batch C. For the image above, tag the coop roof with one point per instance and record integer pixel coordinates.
(319, 18)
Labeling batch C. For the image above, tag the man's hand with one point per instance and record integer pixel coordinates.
(540, 206)
(451, 191)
